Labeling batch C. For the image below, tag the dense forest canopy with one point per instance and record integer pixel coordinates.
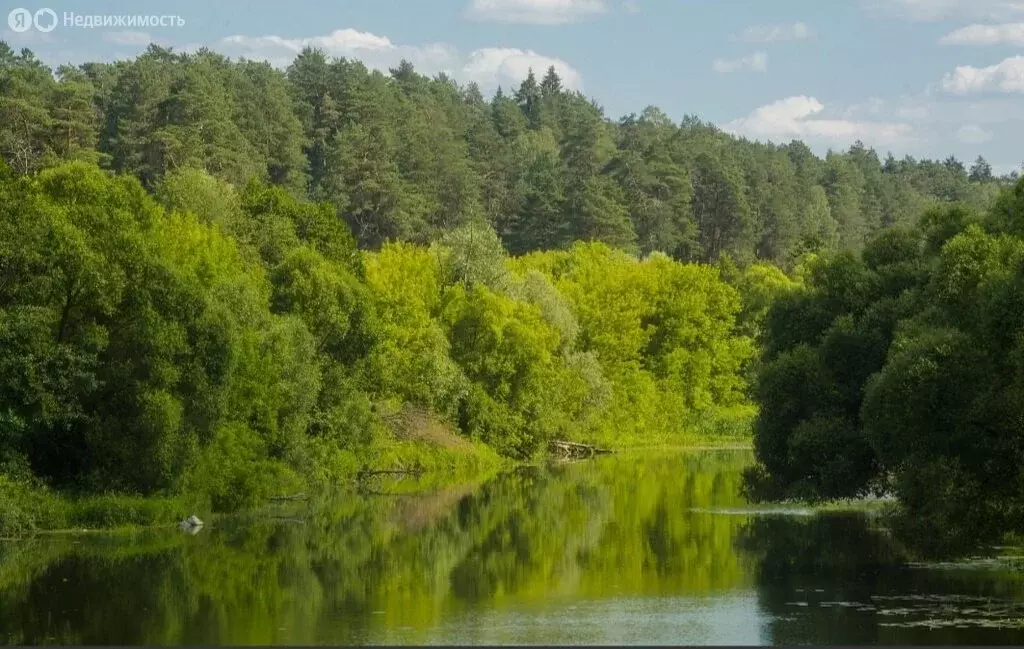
(226, 280)
(405, 157)
(900, 370)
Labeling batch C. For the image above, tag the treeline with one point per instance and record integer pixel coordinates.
(225, 280)
(235, 344)
(901, 370)
(406, 158)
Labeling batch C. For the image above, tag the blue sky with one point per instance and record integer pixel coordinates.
(927, 78)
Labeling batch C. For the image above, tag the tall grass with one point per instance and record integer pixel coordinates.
(27, 508)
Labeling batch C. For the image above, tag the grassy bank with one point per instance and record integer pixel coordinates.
(418, 455)
(27, 508)
(722, 428)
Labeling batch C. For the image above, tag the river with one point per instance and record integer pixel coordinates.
(632, 549)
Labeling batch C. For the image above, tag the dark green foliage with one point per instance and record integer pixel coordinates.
(404, 157)
(133, 341)
(913, 387)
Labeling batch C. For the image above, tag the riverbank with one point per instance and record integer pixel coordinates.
(418, 469)
(405, 465)
(416, 455)
(27, 509)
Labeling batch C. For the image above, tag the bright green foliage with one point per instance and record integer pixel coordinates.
(230, 346)
(536, 288)
(693, 348)
(610, 295)
(275, 222)
(508, 352)
(536, 351)
(473, 254)
(212, 200)
(663, 332)
(338, 310)
(412, 359)
(759, 286)
(336, 307)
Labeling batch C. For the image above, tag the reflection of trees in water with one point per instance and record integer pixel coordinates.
(828, 546)
(354, 570)
(152, 593)
(835, 579)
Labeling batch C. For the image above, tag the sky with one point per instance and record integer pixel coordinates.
(927, 78)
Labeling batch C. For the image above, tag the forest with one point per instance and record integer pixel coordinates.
(901, 370)
(221, 282)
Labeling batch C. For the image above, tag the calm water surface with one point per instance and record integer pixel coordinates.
(651, 549)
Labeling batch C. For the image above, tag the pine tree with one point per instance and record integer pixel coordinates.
(528, 98)
(981, 171)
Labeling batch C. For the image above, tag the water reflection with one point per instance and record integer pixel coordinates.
(835, 579)
(626, 549)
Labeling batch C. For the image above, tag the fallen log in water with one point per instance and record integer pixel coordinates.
(575, 449)
(366, 473)
(299, 496)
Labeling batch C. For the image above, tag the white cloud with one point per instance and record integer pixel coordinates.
(801, 118)
(127, 38)
(973, 134)
(631, 7)
(934, 10)
(775, 33)
(489, 66)
(926, 125)
(341, 42)
(1002, 34)
(375, 51)
(535, 12)
(756, 62)
(1007, 76)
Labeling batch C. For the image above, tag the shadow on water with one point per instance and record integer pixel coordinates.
(629, 549)
(837, 579)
